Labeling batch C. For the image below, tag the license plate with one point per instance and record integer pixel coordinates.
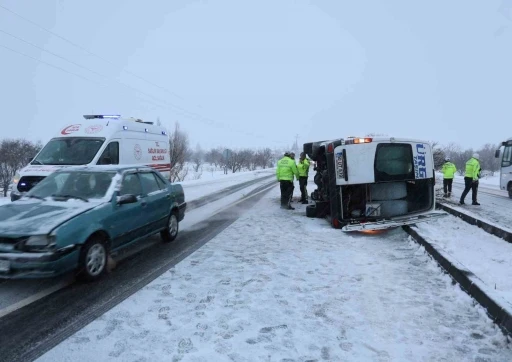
(5, 266)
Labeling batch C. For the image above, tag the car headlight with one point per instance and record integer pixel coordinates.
(39, 241)
(16, 178)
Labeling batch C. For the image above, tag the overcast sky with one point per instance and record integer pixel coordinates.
(257, 73)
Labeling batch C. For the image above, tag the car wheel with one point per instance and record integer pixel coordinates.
(311, 211)
(171, 231)
(93, 259)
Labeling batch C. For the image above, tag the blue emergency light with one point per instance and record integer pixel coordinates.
(102, 116)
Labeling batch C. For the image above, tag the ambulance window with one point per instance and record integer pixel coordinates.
(111, 155)
(393, 162)
(507, 156)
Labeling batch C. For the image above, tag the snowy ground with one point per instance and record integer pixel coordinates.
(276, 286)
(4, 200)
(485, 255)
(195, 189)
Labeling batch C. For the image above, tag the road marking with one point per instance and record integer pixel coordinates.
(33, 298)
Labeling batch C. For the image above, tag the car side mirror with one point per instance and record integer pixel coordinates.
(127, 199)
(497, 153)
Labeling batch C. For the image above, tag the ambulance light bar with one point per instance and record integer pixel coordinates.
(101, 116)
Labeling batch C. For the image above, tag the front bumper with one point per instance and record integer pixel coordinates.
(39, 264)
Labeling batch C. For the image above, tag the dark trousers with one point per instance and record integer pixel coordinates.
(303, 181)
(447, 185)
(470, 185)
(286, 192)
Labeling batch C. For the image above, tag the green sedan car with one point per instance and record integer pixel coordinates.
(74, 218)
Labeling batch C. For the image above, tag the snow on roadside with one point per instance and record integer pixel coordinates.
(4, 200)
(277, 286)
(488, 257)
(489, 181)
(199, 188)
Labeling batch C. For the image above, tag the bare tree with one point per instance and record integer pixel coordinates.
(439, 157)
(487, 160)
(214, 157)
(240, 159)
(14, 155)
(198, 158)
(179, 150)
(263, 158)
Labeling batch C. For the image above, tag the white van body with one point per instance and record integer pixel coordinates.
(98, 140)
(373, 183)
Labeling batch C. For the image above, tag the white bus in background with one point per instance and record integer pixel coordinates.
(505, 153)
(373, 183)
(98, 140)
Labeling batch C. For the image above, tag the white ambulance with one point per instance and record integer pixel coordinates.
(98, 140)
(373, 183)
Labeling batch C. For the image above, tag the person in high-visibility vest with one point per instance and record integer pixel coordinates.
(448, 170)
(471, 178)
(303, 168)
(285, 171)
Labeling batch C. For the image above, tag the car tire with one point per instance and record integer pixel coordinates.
(172, 229)
(92, 264)
(311, 211)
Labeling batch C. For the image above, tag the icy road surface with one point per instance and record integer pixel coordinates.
(276, 286)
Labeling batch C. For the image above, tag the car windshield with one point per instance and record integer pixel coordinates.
(69, 151)
(65, 185)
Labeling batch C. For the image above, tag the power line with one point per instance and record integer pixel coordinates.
(50, 65)
(192, 115)
(89, 52)
(94, 72)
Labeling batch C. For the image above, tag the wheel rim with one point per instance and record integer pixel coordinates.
(95, 259)
(173, 225)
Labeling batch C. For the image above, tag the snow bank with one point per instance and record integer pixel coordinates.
(277, 286)
(486, 180)
(195, 189)
(488, 257)
(4, 200)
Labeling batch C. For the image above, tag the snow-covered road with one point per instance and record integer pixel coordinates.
(493, 206)
(277, 286)
(17, 293)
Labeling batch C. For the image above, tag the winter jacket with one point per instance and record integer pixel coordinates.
(303, 168)
(286, 169)
(472, 168)
(449, 170)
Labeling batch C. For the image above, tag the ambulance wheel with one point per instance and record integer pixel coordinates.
(311, 211)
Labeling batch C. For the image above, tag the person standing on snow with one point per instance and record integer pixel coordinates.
(303, 168)
(449, 170)
(471, 178)
(285, 171)
(292, 155)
